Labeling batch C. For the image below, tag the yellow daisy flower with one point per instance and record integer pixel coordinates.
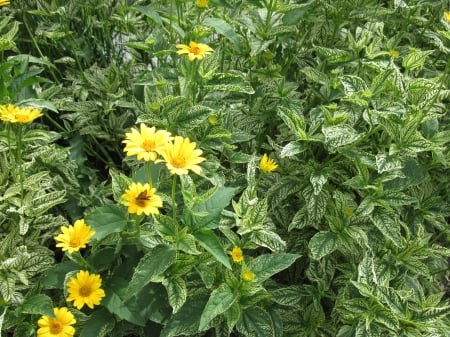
(181, 156)
(266, 164)
(236, 254)
(147, 143)
(394, 53)
(58, 326)
(447, 16)
(142, 199)
(14, 114)
(201, 3)
(84, 289)
(248, 275)
(194, 50)
(4, 3)
(75, 237)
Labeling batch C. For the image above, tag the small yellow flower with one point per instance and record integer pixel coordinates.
(394, 53)
(194, 50)
(75, 237)
(182, 156)
(236, 254)
(248, 275)
(14, 114)
(142, 199)
(447, 16)
(267, 165)
(58, 326)
(84, 289)
(147, 143)
(348, 211)
(212, 120)
(201, 3)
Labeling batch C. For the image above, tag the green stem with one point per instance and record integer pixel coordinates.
(149, 173)
(19, 161)
(174, 204)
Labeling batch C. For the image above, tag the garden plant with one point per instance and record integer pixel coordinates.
(213, 168)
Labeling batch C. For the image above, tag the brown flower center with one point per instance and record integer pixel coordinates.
(85, 291)
(56, 327)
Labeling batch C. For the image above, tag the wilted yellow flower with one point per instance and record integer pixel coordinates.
(75, 237)
(182, 156)
(14, 114)
(248, 275)
(58, 326)
(4, 3)
(447, 16)
(201, 3)
(147, 143)
(194, 50)
(142, 199)
(236, 254)
(266, 164)
(84, 289)
(393, 53)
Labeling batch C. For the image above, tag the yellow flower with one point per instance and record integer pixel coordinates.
(84, 289)
(201, 3)
(4, 3)
(147, 143)
(212, 120)
(447, 16)
(393, 53)
(236, 254)
(142, 199)
(74, 237)
(182, 156)
(248, 275)
(194, 50)
(266, 164)
(14, 114)
(58, 326)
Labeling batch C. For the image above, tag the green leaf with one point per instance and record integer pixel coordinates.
(232, 82)
(153, 263)
(106, 220)
(264, 266)
(339, 135)
(192, 117)
(293, 121)
(322, 244)
(269, 239)
(415, 59)
(255, 322)
(221, 299)
(37, 305)
(224, 28)
(99, 324)
(387, 223)
(54, 277)
(208, 240)
(176, 291)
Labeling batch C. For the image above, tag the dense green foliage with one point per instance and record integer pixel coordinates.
(349, 236)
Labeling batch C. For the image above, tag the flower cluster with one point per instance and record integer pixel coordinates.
(179, 154)
(14, 114)
(238, 256)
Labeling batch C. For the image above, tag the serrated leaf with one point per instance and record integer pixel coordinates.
(192, 117)
(322, 244)
(293, 121)
(264, 266)
(37, 304)
(268, 239)
(415, 59)
(220, 300)
(176, 291)
(231, 82)
(387, 223)
(255, 322)
(339, 135)
(292, 148)
(106, 220)
(99, 324)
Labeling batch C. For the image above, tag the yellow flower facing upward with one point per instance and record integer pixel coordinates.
(58, 326)
(447, 16)
(142, 199)
(394, 53)
(236, 254)
(201, 3)
(14, 114)
(194, 50)
(75, 237)
(267, 165)
(84, 289)
(146, 143)
(182, 156)
(248, 275)
(4, 3)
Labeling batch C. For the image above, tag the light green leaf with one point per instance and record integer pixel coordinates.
(293, 121)
(322, 244)
(415, 59)
(339, 135)
(224, 28)
(386, 222)
(264, 266)
(255, 322)
(221, 299)
(38, 305)
(232, 82)
(176, 291)
(208, 240)
(106, 220)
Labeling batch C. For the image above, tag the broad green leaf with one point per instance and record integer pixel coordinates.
(269, 239)
(293, 121)
(314, 75)
(254, 217)
(224, 28)
(176, 291)
(264, 266)
(119, 183)
(221, 299)
(106, 220)
(208, 240)
(255, 322)
(38, 305)
(339, 135)
(231, 82)
(415, 59)
(322, 244)
(387, 223)
(54, 276)
(315, 204)
(192, 117)
(99, 324)
(153, 263)
(293, 148)
(333, 55)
